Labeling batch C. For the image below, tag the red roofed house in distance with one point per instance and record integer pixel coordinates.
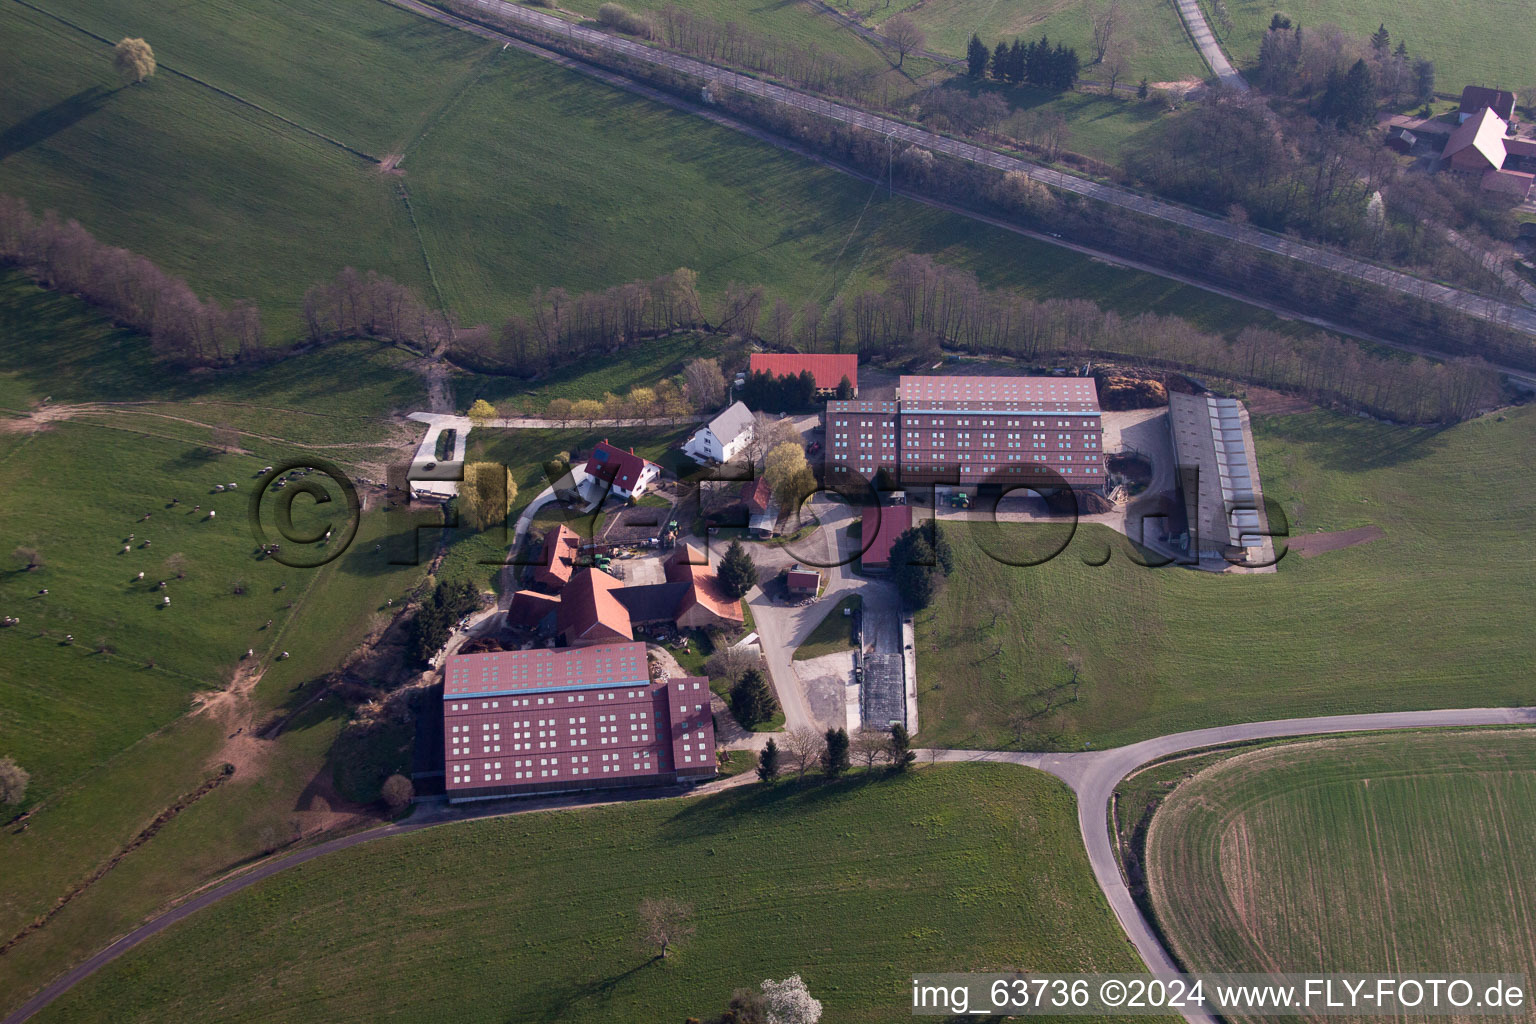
(627, 473)
(517, 723)
(828, 369)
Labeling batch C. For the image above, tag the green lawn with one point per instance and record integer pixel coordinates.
(527, 176)
(1163, 51)
(975, 867)
(644, 364)
(1435, 614)
(1471, 44)
(832, 634)
(102, 723)
(1424, 837)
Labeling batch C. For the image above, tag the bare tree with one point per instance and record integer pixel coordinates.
(869, 746)
(134, 60)
(705, 384)
(1105, 20)
(226, 438)
(804, 746)
(13, 781)
(1117, 61)
(397, 791)
(904, 35)
(664, 923)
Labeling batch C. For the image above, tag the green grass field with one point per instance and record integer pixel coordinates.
(247, 206)
(1382, 853)
(853, 884)
(103, 724)
(644, 364)
(1477, 44)
(833, 633)
(1435, 614)
(1162, 49)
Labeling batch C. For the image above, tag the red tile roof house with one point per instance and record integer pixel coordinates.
(704, 603)
(589, 613)
(517, 723)
(894, 520)
(627, 473)
(756, 495)
(557, 558)
(532, 611)
(828, 369)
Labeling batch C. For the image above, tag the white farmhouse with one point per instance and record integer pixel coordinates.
(722, 438)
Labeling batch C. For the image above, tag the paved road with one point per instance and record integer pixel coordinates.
(1093, 776)
(1516, 317)
(1205, 42)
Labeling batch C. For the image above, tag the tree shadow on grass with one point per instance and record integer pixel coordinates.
(44, 124)
(788, 795)
(562, 1001)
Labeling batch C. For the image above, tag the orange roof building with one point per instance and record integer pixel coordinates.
(558, 557)
(705, 602)
(589, 613)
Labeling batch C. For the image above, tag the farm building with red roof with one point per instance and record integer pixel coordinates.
(517, 723)
(704, 603)
(627, 474)
(557, 559)
(889, 522)
(589, 613)
(828, 369)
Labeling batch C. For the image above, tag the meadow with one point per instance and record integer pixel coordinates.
(1471, 44)
(1420, 838)
(1434, 614)
(1162, 49)
(533, 917)
(520, 174)
(106, 724)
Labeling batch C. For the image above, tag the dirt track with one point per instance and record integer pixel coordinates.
(1310, 545)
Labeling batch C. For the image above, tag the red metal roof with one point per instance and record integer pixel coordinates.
(828, 369)
(616, 466)
(894, 521)
(496, 673)
(802, 579)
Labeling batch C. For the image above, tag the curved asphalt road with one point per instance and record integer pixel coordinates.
(1092, 776)
(1519, 318)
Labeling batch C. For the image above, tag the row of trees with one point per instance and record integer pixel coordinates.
(834, 752)
(129, 288)
(563, 328)
(373, 305)
(1037, 63)
(787, 393)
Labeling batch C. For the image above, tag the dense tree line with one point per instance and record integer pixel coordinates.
(563, 328)
(433, 624)
(1342, 72)
(132, 290)
(787, 393)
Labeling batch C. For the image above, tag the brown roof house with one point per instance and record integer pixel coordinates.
(1480, 147)
(1475, 98)
(533, 611)
(589, 613)
(557, 559)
